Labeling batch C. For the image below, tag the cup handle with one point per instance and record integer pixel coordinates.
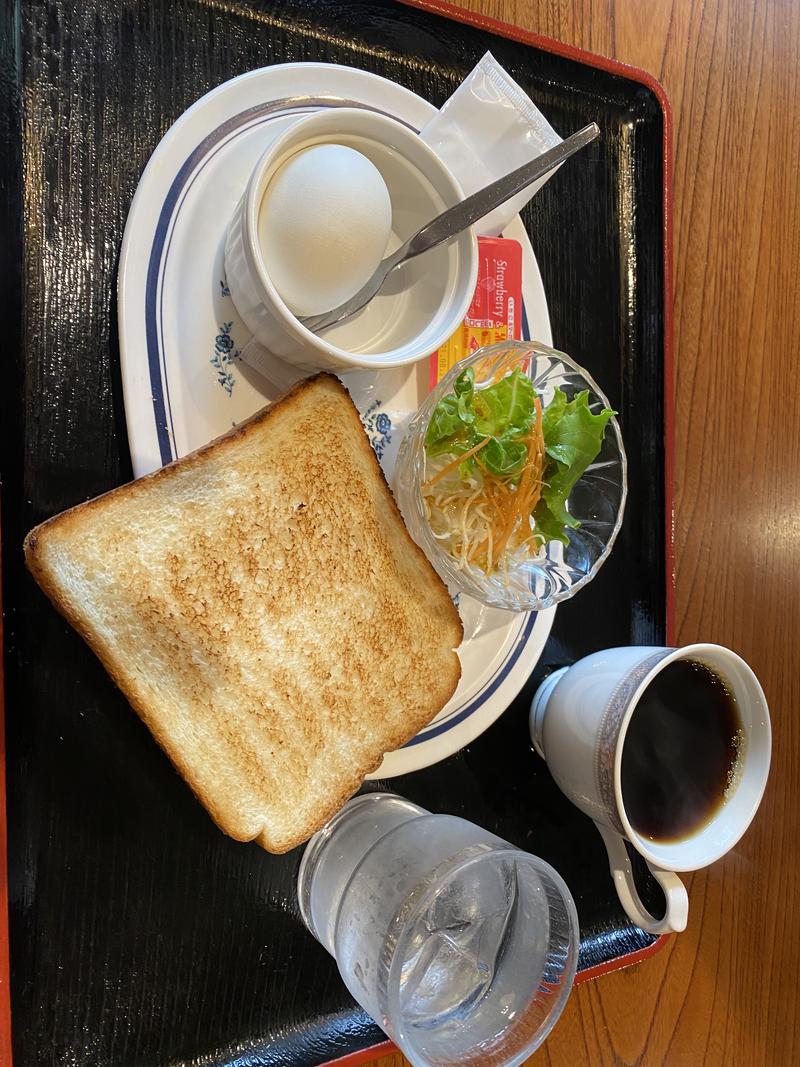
(677, 910)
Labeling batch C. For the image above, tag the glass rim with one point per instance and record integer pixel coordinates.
(423, 894)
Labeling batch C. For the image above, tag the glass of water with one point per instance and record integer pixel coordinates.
(460, 946)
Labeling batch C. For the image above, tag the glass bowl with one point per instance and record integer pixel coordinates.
(597, 500)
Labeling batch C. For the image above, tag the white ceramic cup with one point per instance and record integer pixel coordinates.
(579, 719)
(419, 306)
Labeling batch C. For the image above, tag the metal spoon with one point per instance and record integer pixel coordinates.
(453, 222)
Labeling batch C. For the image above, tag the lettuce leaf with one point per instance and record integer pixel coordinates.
(573, 436)
(506, 405)
(464, 391)
(503, 412)
(452, 418)
(503, 456)
(548, 526)
(445, 423)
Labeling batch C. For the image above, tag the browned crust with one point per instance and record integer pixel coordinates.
(193, 459)
(196, 458)
(120, 677)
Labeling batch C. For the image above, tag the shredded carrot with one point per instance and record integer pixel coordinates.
(503, 508)
(508, 363)
(455, 463)
(527, 494)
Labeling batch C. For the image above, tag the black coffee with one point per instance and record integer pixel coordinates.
(681, 751)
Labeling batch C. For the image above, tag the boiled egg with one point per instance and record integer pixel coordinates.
(323, 226)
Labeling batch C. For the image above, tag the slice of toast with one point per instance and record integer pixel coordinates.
(265, 611)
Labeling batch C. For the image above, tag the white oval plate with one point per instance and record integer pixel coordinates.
(181, 340)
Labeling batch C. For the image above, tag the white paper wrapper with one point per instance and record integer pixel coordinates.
(487, 128)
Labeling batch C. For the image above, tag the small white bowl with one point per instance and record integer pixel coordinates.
(419, 306)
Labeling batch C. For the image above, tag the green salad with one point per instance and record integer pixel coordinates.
(501, 466)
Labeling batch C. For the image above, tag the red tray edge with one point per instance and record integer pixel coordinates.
(388, 1048)
(502, 29)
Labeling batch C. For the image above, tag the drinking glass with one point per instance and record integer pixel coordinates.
(460, 946)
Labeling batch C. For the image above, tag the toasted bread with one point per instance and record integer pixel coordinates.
(264, 610)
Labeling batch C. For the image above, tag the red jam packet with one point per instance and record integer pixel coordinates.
(495, 313)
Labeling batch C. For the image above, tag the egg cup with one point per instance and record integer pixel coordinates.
(420, 305)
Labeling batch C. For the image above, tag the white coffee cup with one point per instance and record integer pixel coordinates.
(579, 720)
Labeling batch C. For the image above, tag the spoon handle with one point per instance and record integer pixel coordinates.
(469, 211)
(452, 222)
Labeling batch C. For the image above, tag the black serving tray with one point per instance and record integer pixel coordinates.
(139, 934)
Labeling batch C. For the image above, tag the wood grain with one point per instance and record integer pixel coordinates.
(724, 992)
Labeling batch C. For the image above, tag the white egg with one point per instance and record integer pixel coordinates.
(323, 226)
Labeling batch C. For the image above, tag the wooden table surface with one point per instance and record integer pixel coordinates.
(725, 992)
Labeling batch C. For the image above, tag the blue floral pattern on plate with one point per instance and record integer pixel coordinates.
(225, 350)
(378, 426)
